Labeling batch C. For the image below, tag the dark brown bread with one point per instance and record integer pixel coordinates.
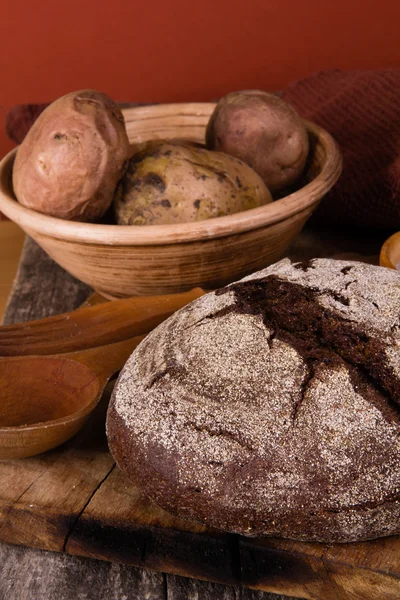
(271, 407)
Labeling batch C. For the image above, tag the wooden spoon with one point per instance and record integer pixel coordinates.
(45, 400)
(93, 326)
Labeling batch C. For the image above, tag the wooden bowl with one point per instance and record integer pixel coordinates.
(390, 252)
(120, 261)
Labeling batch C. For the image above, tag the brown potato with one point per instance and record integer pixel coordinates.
(175, 182)
(71, 160)
(262, 130)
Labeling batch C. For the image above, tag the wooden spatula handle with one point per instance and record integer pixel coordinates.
(93, 326)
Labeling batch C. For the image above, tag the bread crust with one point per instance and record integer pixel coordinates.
(271, 407)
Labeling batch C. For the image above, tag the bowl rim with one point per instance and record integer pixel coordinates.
(155, 235)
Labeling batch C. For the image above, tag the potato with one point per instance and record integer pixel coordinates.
(262, 130)
(71, 160)
(175, 182)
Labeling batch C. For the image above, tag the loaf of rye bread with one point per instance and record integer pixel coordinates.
(271, 407)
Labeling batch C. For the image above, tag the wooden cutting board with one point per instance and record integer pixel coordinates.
(75, 500)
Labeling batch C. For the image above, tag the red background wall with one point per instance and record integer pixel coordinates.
(176, 50)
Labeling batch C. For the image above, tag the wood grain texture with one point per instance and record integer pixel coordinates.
(96, 324)
(158, 259)
(42, 288)
(41, 413)
(35, 574)
(11, 242)
(74, 500)
(120, 271)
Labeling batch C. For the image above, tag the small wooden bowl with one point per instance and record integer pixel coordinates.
(120, 261)
(390, 252)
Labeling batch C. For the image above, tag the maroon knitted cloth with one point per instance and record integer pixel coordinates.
(20, 119)
(361, 109)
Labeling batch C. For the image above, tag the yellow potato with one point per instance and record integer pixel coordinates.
(176, 182)
(71, 160)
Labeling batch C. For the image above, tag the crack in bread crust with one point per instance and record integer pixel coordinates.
(319, 334)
